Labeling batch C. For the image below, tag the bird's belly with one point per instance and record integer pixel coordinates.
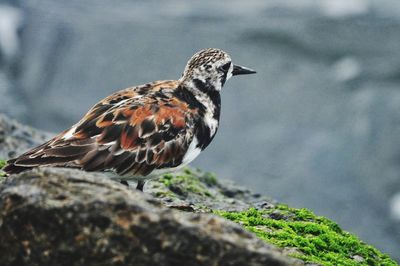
(192, 152)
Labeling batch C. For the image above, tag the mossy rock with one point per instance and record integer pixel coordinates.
(187, 183)
(311, 238)
(302, 234)
(195, 190)
(54, 216)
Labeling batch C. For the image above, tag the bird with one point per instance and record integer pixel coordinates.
(143, 131)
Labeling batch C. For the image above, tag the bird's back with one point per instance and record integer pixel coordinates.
(132, 132)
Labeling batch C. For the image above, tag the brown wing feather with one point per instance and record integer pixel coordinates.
(133, 131)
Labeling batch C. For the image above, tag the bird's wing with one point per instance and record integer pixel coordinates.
(132, 132)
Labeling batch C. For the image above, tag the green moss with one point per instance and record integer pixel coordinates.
(187, 182)
(2, 163)
(2, 174)
(317, 239)
(209, 179)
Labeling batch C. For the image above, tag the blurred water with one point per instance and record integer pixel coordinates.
(317, 127)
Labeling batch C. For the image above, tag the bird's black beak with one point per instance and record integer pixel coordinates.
(239, 70)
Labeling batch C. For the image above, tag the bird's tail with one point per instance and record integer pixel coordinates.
(19, 164)
(12, 168)
(43, 155)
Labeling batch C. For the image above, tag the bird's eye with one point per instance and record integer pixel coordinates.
(226, 67)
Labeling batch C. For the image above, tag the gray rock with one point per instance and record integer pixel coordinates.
(69, 217)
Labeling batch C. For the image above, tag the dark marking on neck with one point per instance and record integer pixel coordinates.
(223, 79)
(214, 95)
(203, 135)
(202, 86)
(203, 132)
(216, 100)
(187, 96)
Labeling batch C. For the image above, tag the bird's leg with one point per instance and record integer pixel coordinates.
(124, 182)
(140, 185)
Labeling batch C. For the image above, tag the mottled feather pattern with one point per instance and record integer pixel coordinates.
(132, 131)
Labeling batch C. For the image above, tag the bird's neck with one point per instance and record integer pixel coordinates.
(206, 95)
(208, 102)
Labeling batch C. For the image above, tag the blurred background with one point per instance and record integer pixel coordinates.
(317, 127)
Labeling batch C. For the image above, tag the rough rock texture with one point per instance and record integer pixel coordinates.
(68, 217)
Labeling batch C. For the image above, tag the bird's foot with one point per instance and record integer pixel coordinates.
(124, 182)
(140, 185)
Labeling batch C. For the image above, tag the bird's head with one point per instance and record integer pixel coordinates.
(210, 68)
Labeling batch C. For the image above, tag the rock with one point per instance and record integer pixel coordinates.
(68, 217)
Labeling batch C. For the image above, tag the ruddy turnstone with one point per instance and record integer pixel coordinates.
(143, 131)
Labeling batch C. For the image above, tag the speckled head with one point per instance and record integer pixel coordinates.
(211, 68)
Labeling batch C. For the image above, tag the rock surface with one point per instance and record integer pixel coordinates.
(68, 217)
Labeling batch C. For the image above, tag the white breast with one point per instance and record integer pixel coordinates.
(190, 155)
(192, 152)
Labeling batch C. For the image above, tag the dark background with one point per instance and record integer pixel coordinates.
(317, 127)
